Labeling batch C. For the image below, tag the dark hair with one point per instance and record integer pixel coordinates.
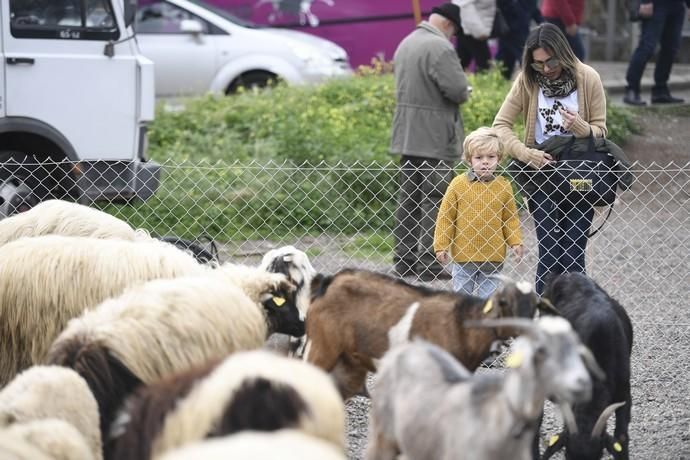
(551, 39)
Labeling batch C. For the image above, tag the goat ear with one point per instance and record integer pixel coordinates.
(556, 443)
(546, 306)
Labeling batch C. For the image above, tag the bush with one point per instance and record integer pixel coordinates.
(213, 149)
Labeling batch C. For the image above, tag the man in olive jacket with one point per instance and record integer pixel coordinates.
(427, 133)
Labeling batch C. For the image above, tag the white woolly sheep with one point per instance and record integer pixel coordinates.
(48, 439)
(259, 445)
(426, 405)
(65, 218)
(167, 326)
(51, 392)
(254, 390)
(353, 312)
(47, 280)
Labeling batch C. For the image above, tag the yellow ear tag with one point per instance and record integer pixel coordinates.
(514, 359)
(487, 308)
(617, 447)
(553, 440)
(279, 301)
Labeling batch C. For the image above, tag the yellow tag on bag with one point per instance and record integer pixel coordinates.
(580, 185)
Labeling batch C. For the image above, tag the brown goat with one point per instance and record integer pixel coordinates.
(354, 315)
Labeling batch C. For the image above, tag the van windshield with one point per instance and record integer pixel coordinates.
(230, 17)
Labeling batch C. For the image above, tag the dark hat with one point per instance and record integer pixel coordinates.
(450, 11)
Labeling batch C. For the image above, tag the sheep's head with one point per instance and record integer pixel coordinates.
(294, 264)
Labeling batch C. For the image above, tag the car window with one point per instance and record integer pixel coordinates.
(159, 17)
(65, 19)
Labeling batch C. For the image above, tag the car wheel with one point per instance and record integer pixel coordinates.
(253, 79)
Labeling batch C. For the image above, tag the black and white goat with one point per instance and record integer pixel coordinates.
(426, 405)
(605, 328)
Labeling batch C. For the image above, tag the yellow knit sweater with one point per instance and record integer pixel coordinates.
(477, 220)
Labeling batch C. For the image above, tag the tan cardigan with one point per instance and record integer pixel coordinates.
(523, 99)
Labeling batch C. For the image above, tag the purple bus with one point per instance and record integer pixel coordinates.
(365, 28)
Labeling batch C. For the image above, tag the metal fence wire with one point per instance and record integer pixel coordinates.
(342, 215)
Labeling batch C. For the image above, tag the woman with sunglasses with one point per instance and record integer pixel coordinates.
(557, 95)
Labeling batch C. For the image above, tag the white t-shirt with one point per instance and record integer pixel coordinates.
(549, 119)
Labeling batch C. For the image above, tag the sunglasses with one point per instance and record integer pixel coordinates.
(552, 63)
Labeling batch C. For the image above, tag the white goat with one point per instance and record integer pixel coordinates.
(426, 405)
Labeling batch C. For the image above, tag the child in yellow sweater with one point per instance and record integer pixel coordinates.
(478, 218)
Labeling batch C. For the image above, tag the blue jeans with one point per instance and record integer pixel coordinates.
(562, 233)
(469, 276)
(575, 41)
(664, 27)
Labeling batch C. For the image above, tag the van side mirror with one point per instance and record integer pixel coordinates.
(191, 26)
(130, 12)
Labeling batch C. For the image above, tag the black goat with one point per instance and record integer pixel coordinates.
(605, 328)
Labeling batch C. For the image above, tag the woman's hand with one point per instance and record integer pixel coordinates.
(568, 118)
(538, 158)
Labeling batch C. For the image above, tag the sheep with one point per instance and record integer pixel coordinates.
(256, 445)
(353, 311)
(166, 326)
(50, 392)
(604, 327)
(59, 217)
(47, 280)
(254, 390)
(427, 405)
(65, 218)
(47, 439)
(294, 264)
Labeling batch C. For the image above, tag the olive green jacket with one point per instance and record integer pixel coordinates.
(430, 84)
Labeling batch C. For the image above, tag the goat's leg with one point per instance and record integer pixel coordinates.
(623, 420)
(350, 377)
(379, 446)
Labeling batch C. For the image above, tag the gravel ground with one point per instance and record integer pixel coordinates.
(642, 257)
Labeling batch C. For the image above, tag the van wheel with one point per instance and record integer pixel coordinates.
(44, 179)
(253, 79)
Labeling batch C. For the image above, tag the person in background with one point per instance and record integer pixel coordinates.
(519, 14)
(427, 133)
(478, 218)
(557, 95)
(662, 22)
(567, 15)
(476, 23)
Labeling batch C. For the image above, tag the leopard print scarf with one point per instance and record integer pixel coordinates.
(560, 87)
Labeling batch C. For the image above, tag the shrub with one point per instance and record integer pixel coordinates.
(244, 167)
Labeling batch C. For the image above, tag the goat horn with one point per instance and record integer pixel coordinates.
(591, 362)
(603, 418)
(545, 305)
(526, 325)
(568, 417)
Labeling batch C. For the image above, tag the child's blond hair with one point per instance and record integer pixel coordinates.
(482, 140)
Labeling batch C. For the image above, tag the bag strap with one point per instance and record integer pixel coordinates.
(591, 234)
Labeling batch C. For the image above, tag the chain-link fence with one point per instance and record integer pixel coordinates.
(343, 215)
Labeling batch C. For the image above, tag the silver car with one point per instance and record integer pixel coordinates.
(198, 48)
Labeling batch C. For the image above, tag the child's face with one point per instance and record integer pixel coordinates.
(484, 163)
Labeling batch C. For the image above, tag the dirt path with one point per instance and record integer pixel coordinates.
(665, 136)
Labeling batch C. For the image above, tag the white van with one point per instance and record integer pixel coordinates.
(199, 48)
(75, 100)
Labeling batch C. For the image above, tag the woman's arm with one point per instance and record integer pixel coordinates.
(596, 100)
(511, 108)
